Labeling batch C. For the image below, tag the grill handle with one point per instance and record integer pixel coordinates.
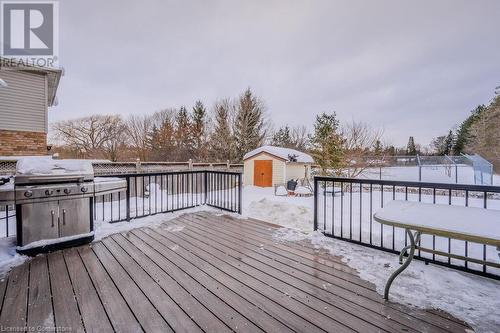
(52, 213)
(64, 216)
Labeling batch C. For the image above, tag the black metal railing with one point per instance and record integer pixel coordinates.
(344, 208)
(224, 190)
(152, 193)
(7, 220)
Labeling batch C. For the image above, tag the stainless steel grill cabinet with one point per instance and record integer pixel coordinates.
(54, 202)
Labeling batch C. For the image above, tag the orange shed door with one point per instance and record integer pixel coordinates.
(263, 173)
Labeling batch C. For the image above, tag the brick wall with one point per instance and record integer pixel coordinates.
(22, 143)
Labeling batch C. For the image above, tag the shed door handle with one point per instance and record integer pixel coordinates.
(52, 213)
(64, 216)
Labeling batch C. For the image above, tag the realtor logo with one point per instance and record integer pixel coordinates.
(29, 30)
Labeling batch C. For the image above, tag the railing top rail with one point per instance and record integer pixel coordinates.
(173, 172)
(225, 172)
(441, 186)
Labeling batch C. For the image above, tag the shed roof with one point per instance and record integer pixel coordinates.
(288, 154)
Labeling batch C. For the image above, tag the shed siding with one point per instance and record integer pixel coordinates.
(23, 103)
(296, 171)
(278, 169)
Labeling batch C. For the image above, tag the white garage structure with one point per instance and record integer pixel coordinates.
(268, 166)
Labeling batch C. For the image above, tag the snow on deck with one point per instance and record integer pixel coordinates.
(420, 285)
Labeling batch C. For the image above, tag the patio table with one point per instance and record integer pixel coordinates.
(472, 224)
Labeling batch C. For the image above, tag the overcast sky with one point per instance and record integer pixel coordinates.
(409, 67)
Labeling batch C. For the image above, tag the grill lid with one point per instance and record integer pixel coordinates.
(31, 170)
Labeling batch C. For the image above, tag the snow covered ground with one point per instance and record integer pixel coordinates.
(477, 300)
(438, 174)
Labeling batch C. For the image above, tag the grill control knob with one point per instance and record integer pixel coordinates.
(28, 194)
(67, 191)
(49, 192)
(84, 189)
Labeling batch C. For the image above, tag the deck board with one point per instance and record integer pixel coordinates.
(438, 318)
(14, 307)
(162, 301)
(93, 315)
(119, 313)
(148, 317)
(287, 309)
(66, 311)
(313, 295)
(40, 312)
(203, 272)
(194, 309)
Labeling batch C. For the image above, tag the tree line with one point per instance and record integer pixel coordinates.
(478, 133)
(225, 133)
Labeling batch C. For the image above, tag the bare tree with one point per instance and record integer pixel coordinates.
(116, 143)
(138, 130)
(359, 139)
(91, 136)
(300, 137)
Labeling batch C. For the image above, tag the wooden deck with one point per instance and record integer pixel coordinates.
(201, 272)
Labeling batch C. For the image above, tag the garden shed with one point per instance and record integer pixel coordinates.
(269, 166)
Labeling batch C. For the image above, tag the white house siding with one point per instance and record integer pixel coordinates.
(278, 169)
(23, 103)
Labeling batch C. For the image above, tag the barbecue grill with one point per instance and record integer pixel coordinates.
(54, 202)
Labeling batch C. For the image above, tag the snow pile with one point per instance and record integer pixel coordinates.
(8, 255)
(46, 242)
(420, 285)
(281, 213)
(107, 179)
(48, 166)
(302, 190)
(281, 190)
(295, 212)
(104, 229)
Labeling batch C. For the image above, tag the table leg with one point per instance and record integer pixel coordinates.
(406, 262)
(406, 248)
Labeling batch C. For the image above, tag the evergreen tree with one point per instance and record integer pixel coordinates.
(484, 134)
(222, 139)
(391, 150)
(449, 142)
(327, 144)
(377, 148)
(410, 147)
(183, 135)
(249, 129)
(463, 135)
(161, 139)
(199, 131)
(282, 138)
(439, 145)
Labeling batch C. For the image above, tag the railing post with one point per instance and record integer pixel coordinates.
(240, 193)
(127, 198)
(205, 185)
(315, 203)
